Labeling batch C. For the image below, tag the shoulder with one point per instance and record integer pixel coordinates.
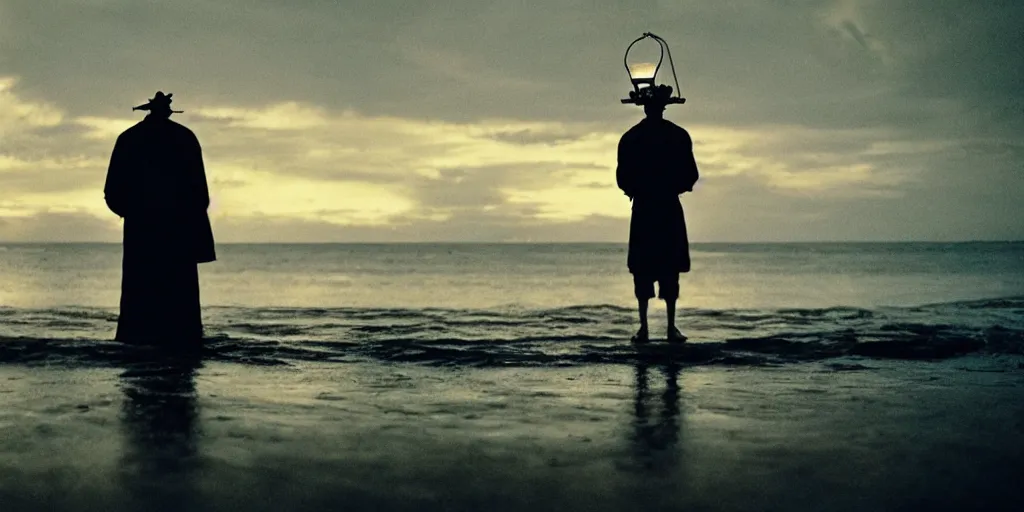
(677, 131)
(675, 128)
(131, 132)
(632, 133)
(182, 131)
(179, 128)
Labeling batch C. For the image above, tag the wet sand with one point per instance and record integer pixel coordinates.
(838, 435)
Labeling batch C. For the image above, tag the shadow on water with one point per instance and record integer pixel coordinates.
(160, 420)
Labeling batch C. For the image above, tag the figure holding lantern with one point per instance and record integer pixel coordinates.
(655, 166)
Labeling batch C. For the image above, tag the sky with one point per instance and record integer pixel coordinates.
(497, 121)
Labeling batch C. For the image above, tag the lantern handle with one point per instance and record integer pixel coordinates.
(671, 63)
(663, 45)
(625, 57)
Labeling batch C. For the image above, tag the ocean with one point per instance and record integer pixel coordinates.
(536, 304)
(472, 377)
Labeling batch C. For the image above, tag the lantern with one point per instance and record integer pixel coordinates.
(643, 76)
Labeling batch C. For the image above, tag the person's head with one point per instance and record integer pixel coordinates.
(654, 109)
(160, 111)
(159, 106)
(654, 99)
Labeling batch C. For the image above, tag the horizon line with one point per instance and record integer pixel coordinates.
(526, 242)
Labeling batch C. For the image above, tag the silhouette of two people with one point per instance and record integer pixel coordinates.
(157, 183)
(655, 166)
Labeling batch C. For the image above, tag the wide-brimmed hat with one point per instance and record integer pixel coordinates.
(159, 100)
(655, 95)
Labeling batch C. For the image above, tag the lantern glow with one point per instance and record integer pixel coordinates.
(643, 71)
(643, 76)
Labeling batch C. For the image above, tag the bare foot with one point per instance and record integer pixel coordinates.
(641, 336)
(675, 336)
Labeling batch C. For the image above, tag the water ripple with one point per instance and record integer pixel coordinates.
(522, 337)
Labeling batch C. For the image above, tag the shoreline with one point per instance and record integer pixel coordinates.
(621, 243)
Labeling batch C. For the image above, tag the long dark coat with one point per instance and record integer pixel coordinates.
(656, 164)
(157, 183)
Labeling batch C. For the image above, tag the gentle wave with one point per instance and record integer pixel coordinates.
(515, 336)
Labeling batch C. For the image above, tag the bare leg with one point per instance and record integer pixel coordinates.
(673, 333)
(642, 335)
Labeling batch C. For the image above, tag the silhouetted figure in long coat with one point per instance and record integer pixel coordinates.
(655, 166)
(157, 183)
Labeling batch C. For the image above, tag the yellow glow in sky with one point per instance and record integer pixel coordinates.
(293, 161)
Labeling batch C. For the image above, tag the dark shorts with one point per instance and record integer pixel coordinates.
(668, 286)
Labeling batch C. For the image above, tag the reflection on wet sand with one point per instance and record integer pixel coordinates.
(655, 437)
(160, 417)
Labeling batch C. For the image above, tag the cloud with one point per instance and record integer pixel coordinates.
(308, 164)
(384, 166)
(281, 195)
(856, 33)
(103, 129)
(506, 225)
(811, 120)
(18, 114)
(41, 152)
(282, 116)
(57, 226)
(456, 68)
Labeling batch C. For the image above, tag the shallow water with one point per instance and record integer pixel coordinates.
(537, 337)
(463, 377)
(483, 276)
(497, 305)
(314, 436)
